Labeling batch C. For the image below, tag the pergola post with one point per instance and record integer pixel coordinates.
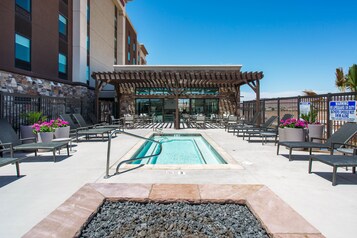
(117, 90)
(257, 102)
(177, 114)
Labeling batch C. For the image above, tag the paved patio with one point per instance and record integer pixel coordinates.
(46, 185)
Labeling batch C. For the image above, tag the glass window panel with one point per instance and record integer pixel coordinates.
(62, 24)
(134, 61)
(62, 63)
(211, 106)
(128, 56)
(197, 106)
(22, 48)
(142, 106)
(128, 40)
(25, 4)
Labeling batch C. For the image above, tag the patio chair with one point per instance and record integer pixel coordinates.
(286, 116)
(340, 137)
(78, 131)
(336, 161)
(246, 124)
(129, 121)
(200, 122)
(82, 123)
(11, 142)
(251, 131)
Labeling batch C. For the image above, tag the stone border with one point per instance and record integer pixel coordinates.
(231, 163)
(277, 217)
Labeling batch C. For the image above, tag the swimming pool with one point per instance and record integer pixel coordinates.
(178, 149)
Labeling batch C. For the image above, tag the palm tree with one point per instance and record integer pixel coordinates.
(340, 79)
(348, 81)
(351, 77)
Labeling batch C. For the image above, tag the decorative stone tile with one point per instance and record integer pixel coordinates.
(226, 192)
(121, 191)
(175, 192)
(68, 219)
(277, 216)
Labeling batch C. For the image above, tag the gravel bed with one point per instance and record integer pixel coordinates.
(131, 219)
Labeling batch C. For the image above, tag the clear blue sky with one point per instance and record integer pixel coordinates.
(297, 44)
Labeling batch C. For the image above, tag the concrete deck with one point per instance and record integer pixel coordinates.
(45, 185)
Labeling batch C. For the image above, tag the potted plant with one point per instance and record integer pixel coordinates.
(281, 131)
(30, 118)
(62, 128)
(294, 129)
(315, 128)
(44, 131)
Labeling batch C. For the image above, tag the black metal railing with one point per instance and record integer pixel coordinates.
(13, 105)
(280, 106)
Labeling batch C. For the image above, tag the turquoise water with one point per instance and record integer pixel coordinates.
(178, 149)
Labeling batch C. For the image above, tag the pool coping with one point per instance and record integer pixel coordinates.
(231, 163)
(276, 216)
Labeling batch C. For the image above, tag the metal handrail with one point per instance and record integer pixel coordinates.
(116, 131)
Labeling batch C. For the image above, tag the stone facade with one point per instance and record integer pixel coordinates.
(16, 83)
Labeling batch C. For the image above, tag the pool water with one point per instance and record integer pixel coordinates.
(178, 149)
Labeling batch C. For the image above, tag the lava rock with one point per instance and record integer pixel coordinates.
(154, 220)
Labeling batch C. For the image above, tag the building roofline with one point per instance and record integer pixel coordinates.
(143, 48)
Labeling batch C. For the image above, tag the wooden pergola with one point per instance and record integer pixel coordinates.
(176, 79)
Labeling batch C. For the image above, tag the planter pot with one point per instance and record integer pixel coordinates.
(62, 132)
(45, 137)
(295, 134)
(281, 134)
(27, 132)
(316, 130)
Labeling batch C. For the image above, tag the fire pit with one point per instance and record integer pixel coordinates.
(276, 217)
(131, 219)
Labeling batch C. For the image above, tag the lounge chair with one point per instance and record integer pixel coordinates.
(340, 137)
(335, 161)
(245, 124)
(82, 123)
(10, 141)
(254, 131)
(84, 131)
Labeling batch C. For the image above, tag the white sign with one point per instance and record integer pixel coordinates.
(343, 111)
(304, 107)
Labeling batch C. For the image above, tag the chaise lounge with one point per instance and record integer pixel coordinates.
(85, 131)
(336, 161)
(341, 136)
(9, 141)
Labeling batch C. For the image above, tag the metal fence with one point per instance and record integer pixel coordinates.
(280, 106)
(13, 105)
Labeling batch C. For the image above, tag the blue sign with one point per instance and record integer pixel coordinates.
(343, 111)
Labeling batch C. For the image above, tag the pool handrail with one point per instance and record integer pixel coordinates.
(116, 131)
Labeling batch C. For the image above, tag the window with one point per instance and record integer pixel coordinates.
(25, 4)
(129, 56)
(128, 39)
(62, 66)
(22, 52)
(62, 25)
(134, 61)
(134, 47)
